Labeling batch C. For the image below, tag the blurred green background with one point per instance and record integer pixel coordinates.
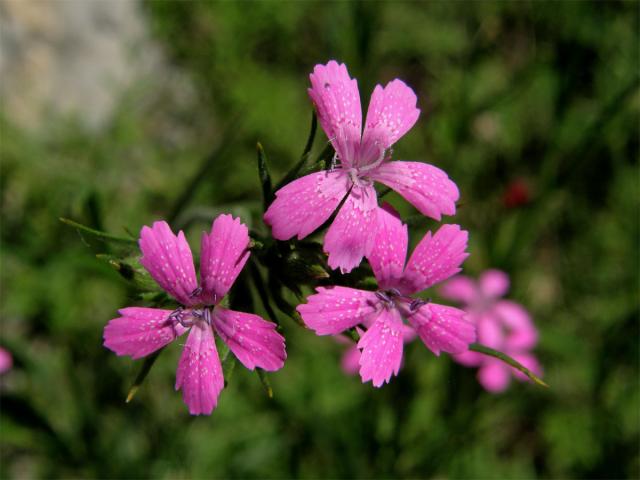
(541, 94)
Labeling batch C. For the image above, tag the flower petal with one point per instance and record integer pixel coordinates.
(443, 328)
(168, 260)
(305, 204)
(224, 253)
(522, 333)
(6, 360)
(351, 235)
(435, 258)
(199, 372)
(350, 362)
(490, 331)
(253, 340)
(392, 112)
(426, 187)
(141, 331)
(337, 101)
(389, 252)
(335, 309)
(494, 283)
(494, 376)
(460, 289)
(381, 347)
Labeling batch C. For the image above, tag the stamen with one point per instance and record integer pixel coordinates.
(417, 303)
(196, 292)
(177, 316)
(376, 164)
(383, 296)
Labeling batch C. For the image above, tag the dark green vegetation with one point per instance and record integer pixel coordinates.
(536, 92)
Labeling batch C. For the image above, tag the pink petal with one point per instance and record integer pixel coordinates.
(443, 328)
(381, 347)
(140, 331)
(253, 340)
(168, 260)
(224, 253)
(6, 361)
(424, 186)
(494, 283)
(528, 360)
(351, 360)
(436, 258)
(306, 203)
(522, 334)
(469, 358)
(390, 248)
(335, 309)
(490, 332)
(408, 333)
(494, 376)
(199, 372)
(337, 101)
(460, 289)
(351, 235)
(392, 112)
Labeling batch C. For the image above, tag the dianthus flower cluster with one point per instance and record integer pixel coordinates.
(384, 318)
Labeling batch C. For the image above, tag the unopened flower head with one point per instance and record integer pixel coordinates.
(140, 331)
(362, 158)
(502, 325)
(380, 314)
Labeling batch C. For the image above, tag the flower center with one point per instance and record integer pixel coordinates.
(188, 318)
(392, 298)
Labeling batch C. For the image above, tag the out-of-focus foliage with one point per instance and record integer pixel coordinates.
(543, 94)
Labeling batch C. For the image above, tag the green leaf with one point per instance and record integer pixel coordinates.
(229, 362)
(476, 347)
(132, 271)
(265, 178)
(262, 291)
(300, 168)
(97, 233)
(265, 382)
(142, 374)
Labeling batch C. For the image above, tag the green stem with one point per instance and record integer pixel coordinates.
(97, 233)
(476, 347)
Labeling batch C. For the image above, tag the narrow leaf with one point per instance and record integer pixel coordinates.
(476, 347)
(97, 233)
(265, 382)
(262, 292)
(229, 362)
(142, 374)
(299, 167)
(265, 178)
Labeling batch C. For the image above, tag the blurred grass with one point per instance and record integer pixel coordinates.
(544, 92)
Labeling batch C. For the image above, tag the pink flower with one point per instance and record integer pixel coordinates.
(502, 325)
(6, 361)
(380, 314)
(361, 158)
(141, 331)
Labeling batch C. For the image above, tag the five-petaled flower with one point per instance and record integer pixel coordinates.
(361, 158)
(140, 331)
(335, 309)
(502, 325)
